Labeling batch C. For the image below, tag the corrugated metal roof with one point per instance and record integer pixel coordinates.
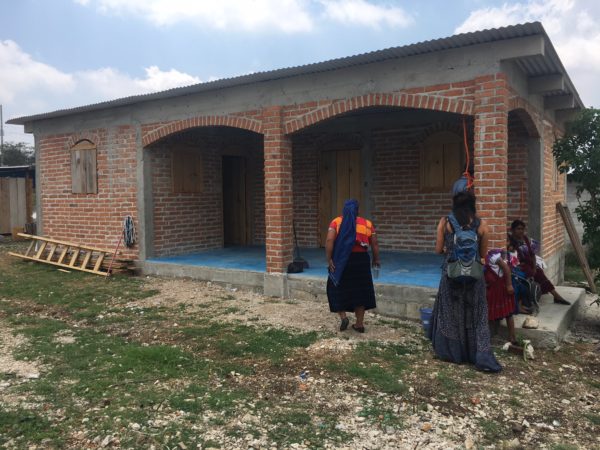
(549, 64)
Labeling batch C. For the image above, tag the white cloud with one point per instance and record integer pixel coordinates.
(29, 87)
(284, 15)
(361, 12)
(571, 26)
(289, 16)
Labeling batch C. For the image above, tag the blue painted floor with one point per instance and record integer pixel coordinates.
(415, 269)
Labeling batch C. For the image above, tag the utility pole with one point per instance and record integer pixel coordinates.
(1, 137)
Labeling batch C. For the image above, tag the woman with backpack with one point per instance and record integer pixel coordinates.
(459, 328)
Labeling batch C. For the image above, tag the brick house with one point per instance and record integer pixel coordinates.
(231, 162)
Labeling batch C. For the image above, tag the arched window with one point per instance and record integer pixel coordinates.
(84, 176)
(442, 161)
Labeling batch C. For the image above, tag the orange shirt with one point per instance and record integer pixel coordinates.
(364, 231)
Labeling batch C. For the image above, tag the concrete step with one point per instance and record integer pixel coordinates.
(554, 319)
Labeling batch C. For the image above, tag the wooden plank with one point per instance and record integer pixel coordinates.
(86, 260)
(71, 244)
(21, 216)
(74, 257)
(29, 198)
(4, 206)
(453, 163)
(99, 261)
(77, 186)
(432, 174)
(354, 176)
(40, 250)
(579, 250)
(342, 179)
(61, 258)
(90, 172)
(51, 252)
(31, 244)
(17, 203)
(57, 264)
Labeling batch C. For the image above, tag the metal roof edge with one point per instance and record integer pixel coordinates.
(424, 47)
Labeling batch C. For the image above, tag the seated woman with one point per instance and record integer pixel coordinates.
(519, 242)
(499, 291)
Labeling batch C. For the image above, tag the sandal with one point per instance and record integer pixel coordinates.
(358, 329)
(344, 324)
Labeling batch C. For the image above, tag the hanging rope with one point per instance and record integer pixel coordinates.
(466, 173)
(129, 236)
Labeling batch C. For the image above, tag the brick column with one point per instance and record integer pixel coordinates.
(490, 154)
(279, 206)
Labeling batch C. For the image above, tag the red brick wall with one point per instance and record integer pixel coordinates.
(92, 219)
(553, 230)
(491, 141)
(305, 160)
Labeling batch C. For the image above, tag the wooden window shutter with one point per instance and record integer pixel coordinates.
(442, 161)
(84, 175)
(186, 171)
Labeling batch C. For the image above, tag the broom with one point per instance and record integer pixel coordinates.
(297, 258)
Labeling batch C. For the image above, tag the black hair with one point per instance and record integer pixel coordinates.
(463, 207)
(517, 223)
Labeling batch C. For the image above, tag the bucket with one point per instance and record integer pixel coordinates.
(426, 318)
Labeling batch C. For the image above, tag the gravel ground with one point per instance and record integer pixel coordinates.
(547, 410)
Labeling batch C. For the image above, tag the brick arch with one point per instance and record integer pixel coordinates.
(454, 127)
(525, 112)
(91, 136)
(403, 100)
(201, 121)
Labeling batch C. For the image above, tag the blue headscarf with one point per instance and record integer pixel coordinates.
(344, 241)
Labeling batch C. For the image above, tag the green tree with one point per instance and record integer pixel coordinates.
(17, 154)
(578, 154)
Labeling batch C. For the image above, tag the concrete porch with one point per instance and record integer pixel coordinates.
(407, 282)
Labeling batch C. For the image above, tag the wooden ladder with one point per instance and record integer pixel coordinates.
(565, 214)
(66, 254)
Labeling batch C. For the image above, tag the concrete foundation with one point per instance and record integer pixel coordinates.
(554, 320)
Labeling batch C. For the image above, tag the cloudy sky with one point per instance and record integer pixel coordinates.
(63, 53)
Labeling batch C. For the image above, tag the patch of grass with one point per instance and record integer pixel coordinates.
(594, 384)
(241, 341)
(380, 365)
(562, 446)
(231, 310)
(382, 413)
(493, 431)
(198, 398)
(28, 424)
(593, 418)
(449, 387)
(295, 425)
(514, 401)
(76, 292)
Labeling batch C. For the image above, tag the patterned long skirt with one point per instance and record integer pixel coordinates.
(459, 328)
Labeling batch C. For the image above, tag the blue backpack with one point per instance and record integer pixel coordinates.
(464, 265)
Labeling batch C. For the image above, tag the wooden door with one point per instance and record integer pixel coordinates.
(5, 215)
(340, 179)
(234, 201)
